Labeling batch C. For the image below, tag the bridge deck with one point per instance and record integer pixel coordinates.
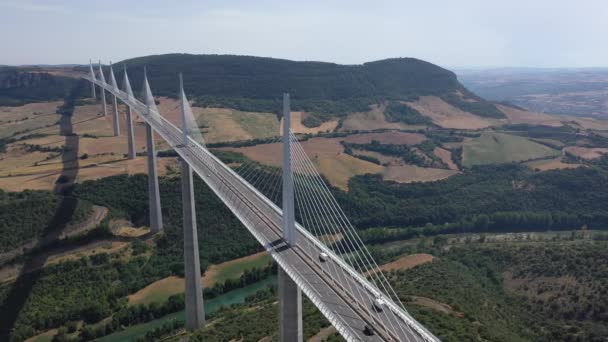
(334, 287)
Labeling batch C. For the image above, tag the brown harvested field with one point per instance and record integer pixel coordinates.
(446, 157)
(45, 336)
(372, 120)
(436, 305)
(127, 231)
(20, 169)
(158, 291)
(326, 153)
(342, 167)
(298, 127)
(587, 153)
(407, 262)
(271, 154)
(44, 177)
(410, 173)
(33, 125)
(162, 289)
(589, 123)
(393, 137)
(28, 110)
(17, 157)
(88, 250)
(322, 335)
(551, 164)
(518, 116)
(231, 269)
(445, 115)
(384, 159)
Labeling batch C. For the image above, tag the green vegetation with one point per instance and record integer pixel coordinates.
(399, 112)
(257, 319)
(524, 291)
(27, 215)
(571, 198)
(478, 106)
(234, 270)
(405, 152)
(566, 135)
(18, 87)
(496, 148)
(256, 84)
(222, 234)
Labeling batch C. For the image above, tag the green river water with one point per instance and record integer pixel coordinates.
(233, 297)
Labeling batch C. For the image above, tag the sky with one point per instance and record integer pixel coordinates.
(455, 34)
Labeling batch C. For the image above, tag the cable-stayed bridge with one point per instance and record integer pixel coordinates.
(311, 239)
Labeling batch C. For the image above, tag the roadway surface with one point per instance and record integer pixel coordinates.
(341, 294)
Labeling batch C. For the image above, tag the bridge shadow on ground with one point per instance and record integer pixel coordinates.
(32, 267)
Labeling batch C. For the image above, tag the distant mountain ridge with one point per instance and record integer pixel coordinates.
(267, 78)
(257, 83)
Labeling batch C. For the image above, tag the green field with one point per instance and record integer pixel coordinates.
(259, 125)
(497, 148)
(233, 270)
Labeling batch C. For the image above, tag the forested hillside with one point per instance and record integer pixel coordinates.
(25, 215)
(535, 289)
(18, 86)
(507, 197)
(257, 83)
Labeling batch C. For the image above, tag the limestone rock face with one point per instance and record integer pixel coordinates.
(19, 79)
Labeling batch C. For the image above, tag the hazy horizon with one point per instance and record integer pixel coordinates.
(467, 34)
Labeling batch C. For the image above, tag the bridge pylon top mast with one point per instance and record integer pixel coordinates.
(289, 228)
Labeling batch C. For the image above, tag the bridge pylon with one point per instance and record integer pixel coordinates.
(92, 75)
(130, 134)
(115, 118)
(103, 92)
(195, 312)
(290, 295)
(156, 218)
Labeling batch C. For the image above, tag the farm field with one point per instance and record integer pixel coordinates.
(447, 116)
(32, 117)
(212, 305)
(372, 120)
(411, 173)
(298, 127)
(36, 162)
(494, 148)
(161, 290)
(231, 125)
(551, 164)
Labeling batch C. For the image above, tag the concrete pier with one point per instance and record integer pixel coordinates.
(103, 102)
(92, 75)
(156, 218)
(290, 309)
(195, 313)
(130, 135)
(290, 296)
(115, 118)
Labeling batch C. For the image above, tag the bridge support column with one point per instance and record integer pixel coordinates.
(92, 75)
(103, 102)
(115, 117)
(156, 219)
(290, 296)
(93, 95)
(130, 135)
(290, 311)
(195, 313)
